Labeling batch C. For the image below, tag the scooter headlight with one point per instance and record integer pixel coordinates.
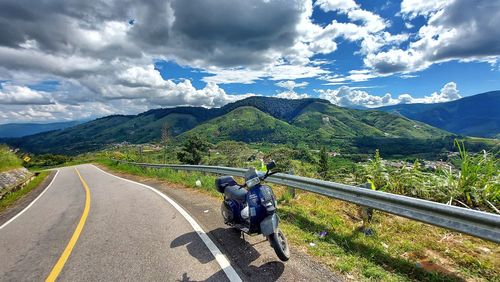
(252, 182)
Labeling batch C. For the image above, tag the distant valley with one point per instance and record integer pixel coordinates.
(25, 129)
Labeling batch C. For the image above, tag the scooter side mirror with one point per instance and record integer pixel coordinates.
(270, 165)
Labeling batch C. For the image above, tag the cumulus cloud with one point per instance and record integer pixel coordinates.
(295, 60)
(21, 95)
(346, 96)
(291, 95)
(102, 52)
(272, 72)
(291, 85)
(413, 8)
(337, 5)
(455, 30)
(132, 90)
(449, 92)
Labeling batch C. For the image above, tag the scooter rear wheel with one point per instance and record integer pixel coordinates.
(280, 245)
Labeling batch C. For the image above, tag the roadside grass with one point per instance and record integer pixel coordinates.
(8, 160)
(180, 177)
(12, 197)
(400, 249)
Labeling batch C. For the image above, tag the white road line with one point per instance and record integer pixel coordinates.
(219, 256)
(36, 199)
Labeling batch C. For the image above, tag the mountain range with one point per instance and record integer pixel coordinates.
(254, 119)
(24, 129)
(477, 115)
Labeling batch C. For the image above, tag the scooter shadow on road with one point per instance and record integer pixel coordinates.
(240, 252)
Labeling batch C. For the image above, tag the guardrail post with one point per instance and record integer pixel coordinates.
(291, 190)
(366, 215)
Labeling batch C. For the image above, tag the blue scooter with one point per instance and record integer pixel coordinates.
(251, 208)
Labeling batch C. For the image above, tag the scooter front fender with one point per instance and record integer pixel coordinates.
(269, 225)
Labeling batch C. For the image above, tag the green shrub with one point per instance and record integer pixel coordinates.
(478, 180)
(8, 160)
(193, 150)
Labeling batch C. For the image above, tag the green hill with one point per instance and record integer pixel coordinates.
(248, 124)
(340, 122)
(255, 119)
(317, 123)
(477, 115)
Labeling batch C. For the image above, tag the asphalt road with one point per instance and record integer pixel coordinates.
(102, 228)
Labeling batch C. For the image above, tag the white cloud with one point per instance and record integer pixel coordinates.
(274, 72)
(295, 62)
(291, 95)
(133, 90)
(346, 96)
(97, 57)
(58, 112)
(354, 76)
(449, 92)
(145, 82)
(337, 5)
(22, 95)
(291, 85)
(455, 30)
(184, 93)
(414, 8)
(38, 61)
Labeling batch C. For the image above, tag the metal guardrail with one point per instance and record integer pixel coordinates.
(476, 223)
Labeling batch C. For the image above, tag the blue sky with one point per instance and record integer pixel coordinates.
(58, 64)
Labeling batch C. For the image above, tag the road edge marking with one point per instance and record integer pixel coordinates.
(74, 238)
(221, 259)
(32, 202)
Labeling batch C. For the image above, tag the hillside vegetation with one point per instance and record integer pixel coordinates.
(476, 115)
(8, 160)
(256, 119)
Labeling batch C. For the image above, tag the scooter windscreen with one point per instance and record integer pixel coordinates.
(251, 178)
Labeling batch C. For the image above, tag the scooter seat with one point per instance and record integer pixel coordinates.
(236, 193)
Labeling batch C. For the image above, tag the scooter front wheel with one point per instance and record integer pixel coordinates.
(280, 245)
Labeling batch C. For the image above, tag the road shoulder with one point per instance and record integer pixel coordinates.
(24, 201)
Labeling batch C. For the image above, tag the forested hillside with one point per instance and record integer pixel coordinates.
(477, 115)
(257, 119)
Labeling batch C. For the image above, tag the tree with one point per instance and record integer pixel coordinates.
(192, 150)
(304, 154)
(324, 165)
(165, 137)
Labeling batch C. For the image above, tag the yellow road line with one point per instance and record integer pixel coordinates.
(71, 244)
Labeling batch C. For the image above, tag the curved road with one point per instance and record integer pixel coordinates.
(114, 230)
